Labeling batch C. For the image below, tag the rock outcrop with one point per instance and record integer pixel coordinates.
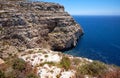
(37, 24)
(62, 66)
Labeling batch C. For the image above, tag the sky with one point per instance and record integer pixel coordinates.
(90, 7)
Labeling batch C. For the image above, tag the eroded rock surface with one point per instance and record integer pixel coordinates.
(49, 64)
(37, 24)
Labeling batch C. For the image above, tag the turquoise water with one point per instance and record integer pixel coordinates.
(101, 40)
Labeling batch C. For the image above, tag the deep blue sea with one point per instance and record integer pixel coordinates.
(101, 39)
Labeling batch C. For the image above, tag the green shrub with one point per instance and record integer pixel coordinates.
(19, 64)
(1, 28)
(2, 75)
(49, 63)
(65, 63)
(111, 74)
(12, 74)
(46, 56)
(94, 68)
(32, 75)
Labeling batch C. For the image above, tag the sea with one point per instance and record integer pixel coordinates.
(101, 39)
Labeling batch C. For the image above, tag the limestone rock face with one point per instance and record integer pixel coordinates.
(37, 24)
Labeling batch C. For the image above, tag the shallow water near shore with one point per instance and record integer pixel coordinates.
(101, 39)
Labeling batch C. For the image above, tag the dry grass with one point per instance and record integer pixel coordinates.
(94, 69)
(17, 68)
(65, 63)
(111, 74)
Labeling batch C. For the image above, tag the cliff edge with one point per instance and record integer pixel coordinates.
(37, 24)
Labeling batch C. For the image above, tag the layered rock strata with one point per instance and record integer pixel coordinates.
(37, 24)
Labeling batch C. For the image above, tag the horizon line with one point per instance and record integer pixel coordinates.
(93, 15)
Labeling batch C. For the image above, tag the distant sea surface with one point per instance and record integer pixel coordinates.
(101, 39)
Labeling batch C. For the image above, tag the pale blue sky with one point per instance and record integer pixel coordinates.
(90, 7)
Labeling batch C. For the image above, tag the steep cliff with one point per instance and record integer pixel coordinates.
(38, 24)
(27, 33)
